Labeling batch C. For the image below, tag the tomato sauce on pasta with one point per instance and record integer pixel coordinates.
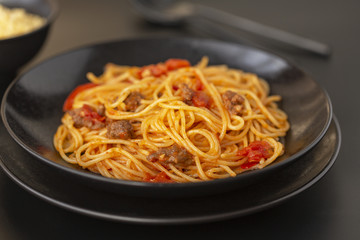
(171, 122)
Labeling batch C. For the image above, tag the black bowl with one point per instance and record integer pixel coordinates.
(32, 105)
(15, 52)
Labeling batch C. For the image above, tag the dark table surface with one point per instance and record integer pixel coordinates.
(328, 210)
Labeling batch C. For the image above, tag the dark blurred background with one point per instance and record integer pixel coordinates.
(328, 210)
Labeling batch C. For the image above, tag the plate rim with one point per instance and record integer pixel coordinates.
(185, 220)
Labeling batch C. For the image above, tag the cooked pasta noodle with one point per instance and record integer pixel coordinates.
(171, 122)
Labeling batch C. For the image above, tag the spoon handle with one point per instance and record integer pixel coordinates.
(263, 30)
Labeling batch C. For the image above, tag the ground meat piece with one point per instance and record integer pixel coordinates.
(121, 129)
(233, 102)
(87, 117)
(133, 101)
(194, 98)
(174, 154)
(186, 93)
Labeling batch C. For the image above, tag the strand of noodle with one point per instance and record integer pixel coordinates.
(137, 162)
(214, 143)
(203, 63)
(270, 128)
(213, 173)
(261, 106)
(181, 174)
(172, 176)
(200, 170)
(224, 115)
(241, 135)
(228, 170)
(240, 124)
(58, 146)
(262, 135)
(120, 171)
(103, 170)
(142, 113)
(115, 165)
(200, 112)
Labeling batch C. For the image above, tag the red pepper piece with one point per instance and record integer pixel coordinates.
(70, 99)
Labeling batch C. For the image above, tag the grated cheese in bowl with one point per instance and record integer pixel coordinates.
(16, 21)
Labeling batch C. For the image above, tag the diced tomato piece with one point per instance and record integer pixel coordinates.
(248, 165)
(89, 112)
(256, 151)
(255, 155)
(243, 152)
(140, 72)
(198, 85)
(201, 99)
(174, 63)
(162, 68)
(158, 70)
(70, 99)
(264, 149)
(155, 70)
(161, 177)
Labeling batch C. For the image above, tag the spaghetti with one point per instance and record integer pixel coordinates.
(171, 122)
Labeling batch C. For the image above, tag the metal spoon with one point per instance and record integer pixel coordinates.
(172, 13)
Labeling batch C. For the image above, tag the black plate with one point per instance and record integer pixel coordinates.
(31, 107)
(289, 181)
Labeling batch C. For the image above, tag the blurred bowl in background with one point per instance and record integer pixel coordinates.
(16, 51)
